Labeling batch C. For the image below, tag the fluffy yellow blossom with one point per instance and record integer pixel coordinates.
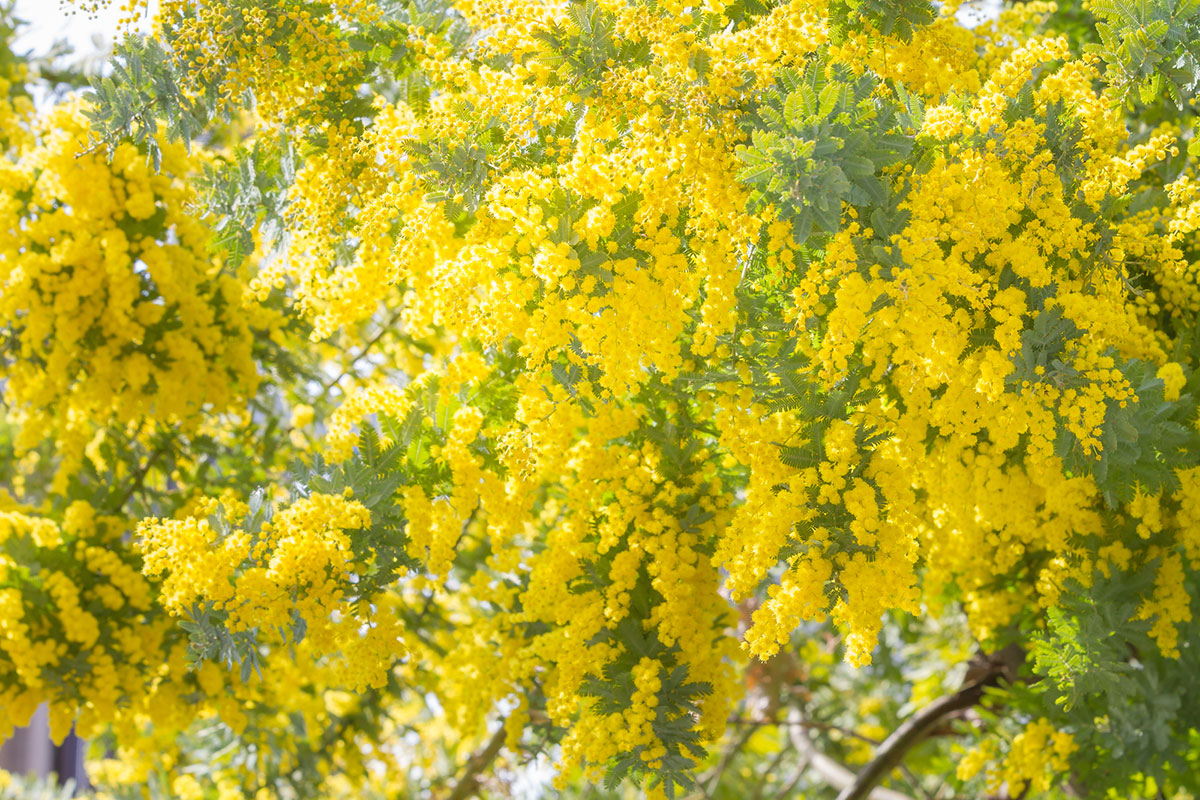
(1035, 756)
(113, 307)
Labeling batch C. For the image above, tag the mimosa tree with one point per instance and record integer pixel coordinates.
(411, 398)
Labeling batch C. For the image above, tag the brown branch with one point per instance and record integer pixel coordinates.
(797, 774)
(983, 671)
(905, 737)
(476, 764)
(834, 772)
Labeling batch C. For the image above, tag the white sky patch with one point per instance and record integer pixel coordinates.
(51, 21)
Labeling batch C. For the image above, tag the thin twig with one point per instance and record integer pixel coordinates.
(384, 329)
(906, 736)
(787, 788)
(713, 778)
(915, 782)
(140, 478)
(760, 785)
(808, 723)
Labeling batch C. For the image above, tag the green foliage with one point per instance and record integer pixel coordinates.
(1043, 350)
(890, 17)
(1106, 680)
(146, 101)
(210, 640)
(34, 787)
(374, 474)
(1151, 48)
(142, 100)
(587, 47)
(378, 468)
(1143, 442)
(457, 170)
(248, 193)
(1085, 649)
(819, 138)
(677, 703)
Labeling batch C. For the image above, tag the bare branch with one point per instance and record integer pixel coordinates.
(363, 352)
(770, 770)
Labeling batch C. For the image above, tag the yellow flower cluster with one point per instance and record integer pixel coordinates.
(113, 310)
(16, 107)
(1035, 757)
(153, 736)
(991, 255)
(1170, 603)
(615, 253)
(288, 53)
(89, 647)
(296, 565)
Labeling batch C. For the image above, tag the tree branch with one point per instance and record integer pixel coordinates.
(363, 351)
(834, 772)
(139, 478)
(905, 737)
(807, 723)
(797, 774)
(773, 765)
(710, 781)
(982, 672)
(476, 764)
